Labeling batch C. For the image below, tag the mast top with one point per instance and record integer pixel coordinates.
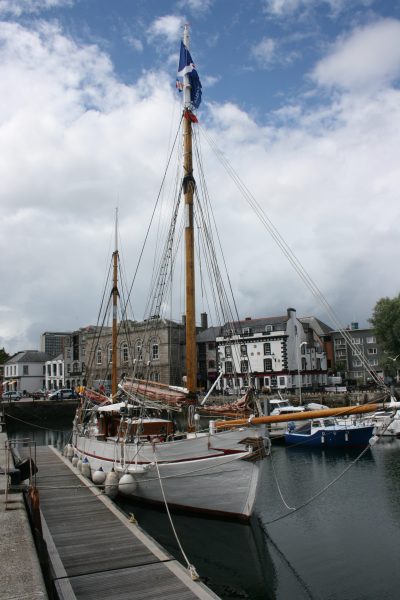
(116, 231)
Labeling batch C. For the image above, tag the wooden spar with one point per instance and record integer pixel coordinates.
(304, 416)
(114, 382)
(188, 189)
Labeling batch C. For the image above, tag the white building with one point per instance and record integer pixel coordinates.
(276, 353)
(54, 373)
(25, 371)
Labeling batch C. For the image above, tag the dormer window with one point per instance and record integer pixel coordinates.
(268, 328)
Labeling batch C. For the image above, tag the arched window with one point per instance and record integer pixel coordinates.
(139, 350)
(124, 352)
(99, 356)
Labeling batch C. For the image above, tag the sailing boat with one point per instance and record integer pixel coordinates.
(210, 471)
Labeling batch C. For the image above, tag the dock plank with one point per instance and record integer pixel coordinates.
(95, 552)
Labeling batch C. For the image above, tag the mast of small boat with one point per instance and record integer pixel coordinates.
(188, 189)
(114, 382)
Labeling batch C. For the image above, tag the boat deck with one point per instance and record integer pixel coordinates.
(95, 551)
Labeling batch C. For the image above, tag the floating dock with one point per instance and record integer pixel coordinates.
(94, 551)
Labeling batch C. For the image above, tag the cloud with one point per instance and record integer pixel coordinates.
(284, 8)
(134, 43)
(75, 142)
(16, 8)
(366, 58)
(168, 27)
(198, 7)
(265, 52)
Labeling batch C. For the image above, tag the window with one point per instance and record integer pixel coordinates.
(244, 366)
(228, 351)
(247, 331)
(139, 350)
(371, 339)
(243, 350)
(211, 364)
(49, 370)
(99, 357)
(318, 364)
(124, 352)
(154, 350)
(356, 362)
(228, 367)
(268, 328)
(60, 369)
(373, 362)
(282, 381)
(75, 367)
(267, 348)
(372, 351)
(155, 376)
(268, 364)
(109, 353)
(339, 342)
(55, 369)
(211, 345)
(83, 350)
(357, 341)
(25, 370)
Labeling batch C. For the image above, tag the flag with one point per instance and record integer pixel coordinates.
(186, 67)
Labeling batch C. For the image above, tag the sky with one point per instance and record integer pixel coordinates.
(302, 98)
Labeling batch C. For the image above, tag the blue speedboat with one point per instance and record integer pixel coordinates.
(327, 433)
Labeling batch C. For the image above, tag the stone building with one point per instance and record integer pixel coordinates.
(153, 348)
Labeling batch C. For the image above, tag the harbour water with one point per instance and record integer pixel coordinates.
(343, 543)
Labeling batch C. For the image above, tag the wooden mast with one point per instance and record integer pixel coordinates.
(114, 382)
(188, 189)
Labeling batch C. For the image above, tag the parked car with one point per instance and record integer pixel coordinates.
(12, 395)
(63, 394)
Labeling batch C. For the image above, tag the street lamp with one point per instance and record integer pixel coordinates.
(298, 368)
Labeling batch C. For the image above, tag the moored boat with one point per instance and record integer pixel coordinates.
(123, 436)
(327, 433)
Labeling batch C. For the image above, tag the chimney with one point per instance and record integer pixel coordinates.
(354, 325)
(204, 320)
(248, 319)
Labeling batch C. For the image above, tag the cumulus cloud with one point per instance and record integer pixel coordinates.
(284, 8)
(16, 8)
(168, 27)
(75, 142)
(264, 52)
(196, 6)
(368, 57)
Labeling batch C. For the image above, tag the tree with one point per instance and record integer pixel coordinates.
(4, 356)
(386, 322)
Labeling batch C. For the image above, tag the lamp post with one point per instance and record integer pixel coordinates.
(298, 367)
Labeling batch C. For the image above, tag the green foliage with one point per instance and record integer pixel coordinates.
(4, 356)
(386, 322)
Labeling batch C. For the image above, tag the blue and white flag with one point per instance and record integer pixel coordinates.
(186, 67)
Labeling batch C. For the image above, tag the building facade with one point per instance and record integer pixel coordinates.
(150, 349)
(348, 361)
(272, 353)
(54, 343)
(54, 373)
(25, 371)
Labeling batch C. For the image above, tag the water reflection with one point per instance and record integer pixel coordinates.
(231, 558)
(42, 436)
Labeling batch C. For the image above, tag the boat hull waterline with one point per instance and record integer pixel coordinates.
(213, 474)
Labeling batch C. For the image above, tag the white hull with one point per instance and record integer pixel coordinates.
(205, 473)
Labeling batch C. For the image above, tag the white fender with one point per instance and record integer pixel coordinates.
(99, 476)
(127, 484)
(85, 469)
(111, 484)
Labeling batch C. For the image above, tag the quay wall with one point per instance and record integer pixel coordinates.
(20, 573)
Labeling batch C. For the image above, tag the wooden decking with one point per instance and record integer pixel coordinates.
(95, 552)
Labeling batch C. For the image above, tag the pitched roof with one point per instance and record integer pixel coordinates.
(29, 356)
